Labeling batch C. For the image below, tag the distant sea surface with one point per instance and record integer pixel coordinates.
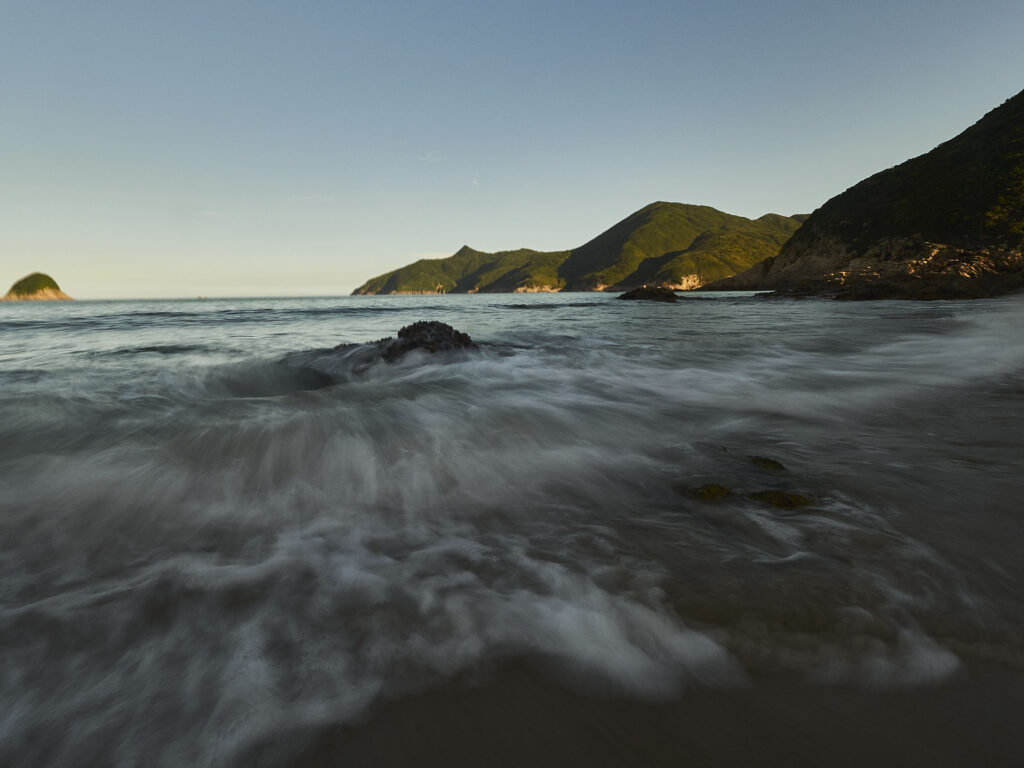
(224, 542)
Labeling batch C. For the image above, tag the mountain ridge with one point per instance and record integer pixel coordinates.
(674, 245)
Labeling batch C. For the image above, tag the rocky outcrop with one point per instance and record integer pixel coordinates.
(654, 293)
(684, 283)
(947, 224)
(893, 268)
(312, 369)
(535, 289)
(429, 335)
(36, 287)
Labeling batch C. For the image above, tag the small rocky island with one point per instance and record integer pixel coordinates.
(36, 287)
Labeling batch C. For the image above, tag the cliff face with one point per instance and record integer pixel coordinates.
(36, 287)
(947, 224)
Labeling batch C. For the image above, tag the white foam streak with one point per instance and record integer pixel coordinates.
(236, 550)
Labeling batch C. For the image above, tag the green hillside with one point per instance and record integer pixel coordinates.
(665, 243)
(968, 189)
(34, 283)
(469, 271)
(669, 244)
(719, 245)
(949, 223)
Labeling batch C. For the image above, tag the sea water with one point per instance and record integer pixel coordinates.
(221, 529)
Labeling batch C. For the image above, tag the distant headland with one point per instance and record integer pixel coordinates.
(36, 287)
(946, 225)
(669, 245)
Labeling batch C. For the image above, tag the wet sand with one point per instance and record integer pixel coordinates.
(520, 717)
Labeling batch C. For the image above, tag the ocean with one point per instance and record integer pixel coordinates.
(724, 531)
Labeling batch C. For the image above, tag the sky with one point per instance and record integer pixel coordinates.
(229, 148)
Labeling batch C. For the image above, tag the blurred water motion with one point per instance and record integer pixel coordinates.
(222, 540)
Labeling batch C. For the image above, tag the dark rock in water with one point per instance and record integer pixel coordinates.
(710, 492)
(781, 499)
(649, 294)
(431, 335)
(347, 359)
(764, 462)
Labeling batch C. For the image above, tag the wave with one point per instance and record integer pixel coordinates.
(200, 556)
(157, 349)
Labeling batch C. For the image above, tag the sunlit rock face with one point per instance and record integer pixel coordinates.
(908, 267)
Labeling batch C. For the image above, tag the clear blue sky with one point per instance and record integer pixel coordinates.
(216, 147)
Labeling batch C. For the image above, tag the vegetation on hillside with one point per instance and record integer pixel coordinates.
(669, 244)
(34, 283)
(665, 243)
(968, 191)
(948, 224)
(469, 270)
(725, 250)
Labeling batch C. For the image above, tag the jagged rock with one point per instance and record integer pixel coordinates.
(430, 335)
(654, 293)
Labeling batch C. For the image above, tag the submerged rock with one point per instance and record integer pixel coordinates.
(710, 492)
(430, 335)
(654, 293)
(766, 463)
(781, 499)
